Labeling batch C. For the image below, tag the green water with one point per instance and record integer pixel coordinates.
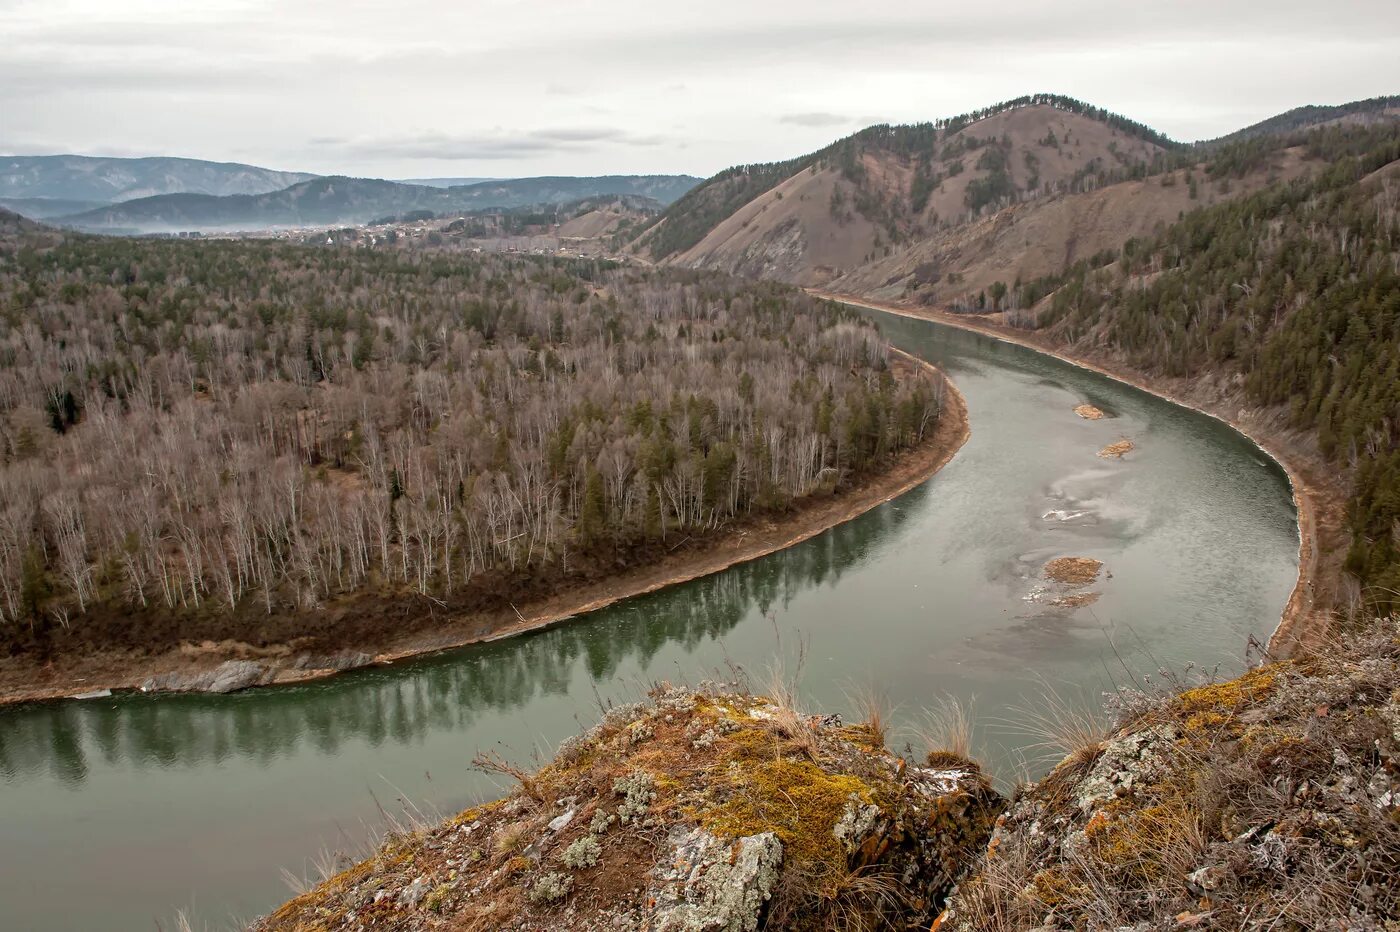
(116, 812)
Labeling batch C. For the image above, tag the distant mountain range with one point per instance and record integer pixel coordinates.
(100, 180)
(339, 200)
(154, 195)
(445, 182)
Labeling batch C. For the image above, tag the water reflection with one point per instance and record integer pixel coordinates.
(404, 703)
(921, 597)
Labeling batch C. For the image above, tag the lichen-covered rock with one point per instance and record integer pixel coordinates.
(705, 884)
(1264, 802)
(774, 820)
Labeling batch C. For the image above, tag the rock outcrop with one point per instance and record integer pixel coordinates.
(1268, 802)
(1271, 801)
(699, 811)
(229, 676)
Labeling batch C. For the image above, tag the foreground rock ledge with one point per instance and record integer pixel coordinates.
(697, 810)
(1268, 802)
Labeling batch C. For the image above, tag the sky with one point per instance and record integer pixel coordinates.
(511, 88)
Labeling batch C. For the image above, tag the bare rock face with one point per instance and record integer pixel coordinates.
(703, 810)
(234, 675)
(227, 677)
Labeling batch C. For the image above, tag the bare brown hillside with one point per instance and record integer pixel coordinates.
(946, 213)
(833, 218)
(1043, 236)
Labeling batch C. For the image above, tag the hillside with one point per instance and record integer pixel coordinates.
(1359, 112)
(46, 208)
(346, 201)
(941, 212)
(815, 217)
(108, 180)
(705, 810)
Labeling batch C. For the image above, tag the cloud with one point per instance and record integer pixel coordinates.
(815, 118)
(496, 145)
(532, 87)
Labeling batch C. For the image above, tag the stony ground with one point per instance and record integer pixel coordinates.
(1270, 802)
(699, 810)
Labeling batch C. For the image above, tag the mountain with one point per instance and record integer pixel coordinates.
(1258, 270)
(814, 218)
(1300, 118)
(44, 208)
(109, 180)
(445, 182)
(11, 223)
(348, 201)
(942, 211)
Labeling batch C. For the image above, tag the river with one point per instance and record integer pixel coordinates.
(114, 813)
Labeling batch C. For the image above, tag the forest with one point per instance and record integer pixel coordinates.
(1296, 289)
(198, 430)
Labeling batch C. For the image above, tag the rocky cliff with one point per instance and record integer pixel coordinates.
(698, 810)
(1268, 802)
(1271, 801)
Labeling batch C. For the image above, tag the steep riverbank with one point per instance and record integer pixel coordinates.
(1318, 493)
(230, 664)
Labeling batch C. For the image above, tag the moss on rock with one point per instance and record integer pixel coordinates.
(703, 809)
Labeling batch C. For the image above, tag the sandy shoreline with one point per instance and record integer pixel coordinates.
(1303, 621)
(910, 469)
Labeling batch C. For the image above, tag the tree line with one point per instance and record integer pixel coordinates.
(198, 426)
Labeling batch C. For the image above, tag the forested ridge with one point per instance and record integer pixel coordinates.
(686, 222)
(192, 427)
(1297, 288)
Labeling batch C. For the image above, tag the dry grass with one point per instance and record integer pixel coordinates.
(787, 717)
(1089, 412)
(1065, 727)
(1260, 803)
(945, 731)
(873, 709)
(1117, 449)
(493, 762)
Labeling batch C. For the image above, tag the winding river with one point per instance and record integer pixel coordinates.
(115, 813)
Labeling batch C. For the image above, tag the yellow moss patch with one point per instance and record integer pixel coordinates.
(1054, 886)
(1206, 721)
(1231, 696)
(795, 799)
(467, 817)
(864, 735)
(322, 891)
(1139, 839)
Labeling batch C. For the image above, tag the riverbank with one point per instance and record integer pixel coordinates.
(287, 663)
(1318, 493)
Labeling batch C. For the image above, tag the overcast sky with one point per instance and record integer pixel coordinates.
(414, 88)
